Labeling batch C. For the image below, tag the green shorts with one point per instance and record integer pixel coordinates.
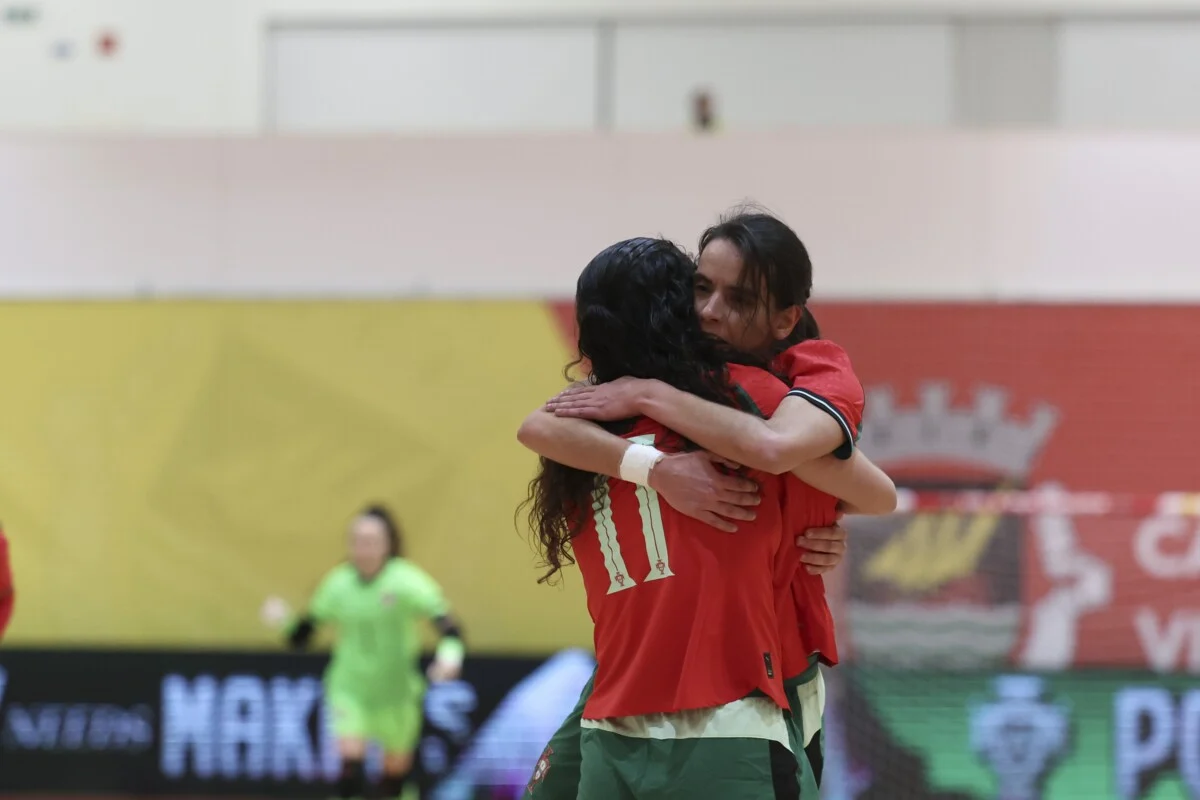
(806, 696)
(395, 727)
(739, 751)
(557, 773)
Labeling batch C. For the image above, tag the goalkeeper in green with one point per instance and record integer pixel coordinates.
(375, 601)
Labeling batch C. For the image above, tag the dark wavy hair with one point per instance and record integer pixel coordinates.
(772, 256)
(636, 316)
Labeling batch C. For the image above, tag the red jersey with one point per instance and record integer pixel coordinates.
(6, 586)
(684, 613)
(821, 373)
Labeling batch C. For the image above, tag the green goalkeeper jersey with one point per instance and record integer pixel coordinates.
(378, 628)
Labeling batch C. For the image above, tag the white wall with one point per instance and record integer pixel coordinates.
(205, 66)
(1147, 70)
(628, 77)
(540, 78)
(178, 68)
(779, 75)
(918, 216)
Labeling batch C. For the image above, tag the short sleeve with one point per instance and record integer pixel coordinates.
(760, 391)
(821, 373)
(327, 598)
(423, 593)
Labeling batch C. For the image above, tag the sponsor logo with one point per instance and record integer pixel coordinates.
(1021, 735)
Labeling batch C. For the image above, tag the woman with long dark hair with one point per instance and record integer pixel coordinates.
(687, 699)
(751, 289)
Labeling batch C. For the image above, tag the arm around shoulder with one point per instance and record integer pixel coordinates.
(574, 442)
(862, 487)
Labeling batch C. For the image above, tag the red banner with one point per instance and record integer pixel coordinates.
(990, 396)
(1086, 397)
(1122, 379)
(1112, 592)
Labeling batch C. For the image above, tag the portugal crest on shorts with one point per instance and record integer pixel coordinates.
(541, 769)
(943, 588)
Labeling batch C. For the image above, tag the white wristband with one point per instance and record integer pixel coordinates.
(450, 652)
(637, 462)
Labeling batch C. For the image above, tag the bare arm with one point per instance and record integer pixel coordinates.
(862, 487)
(798, 431)
(575, 442)
(689, 482)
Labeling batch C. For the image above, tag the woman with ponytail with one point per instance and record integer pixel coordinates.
(376, 601)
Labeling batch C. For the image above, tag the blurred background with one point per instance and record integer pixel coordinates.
(264, 261)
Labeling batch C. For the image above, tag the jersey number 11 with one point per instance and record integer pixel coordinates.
(652, 531)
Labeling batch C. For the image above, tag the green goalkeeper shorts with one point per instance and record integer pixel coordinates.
(395, 726)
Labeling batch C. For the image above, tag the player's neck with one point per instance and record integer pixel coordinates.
(367, 577)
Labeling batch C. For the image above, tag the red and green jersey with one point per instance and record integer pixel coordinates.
(821, 373)
(684, 614)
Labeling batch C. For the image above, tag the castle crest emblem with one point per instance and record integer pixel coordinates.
(943, 588)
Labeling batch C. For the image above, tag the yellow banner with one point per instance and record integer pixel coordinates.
(168, 465)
